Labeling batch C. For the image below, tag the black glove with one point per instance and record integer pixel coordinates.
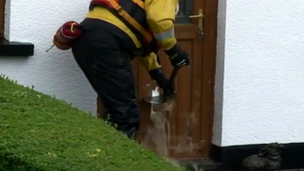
(178, 57)
(168, 89)
(161, 80)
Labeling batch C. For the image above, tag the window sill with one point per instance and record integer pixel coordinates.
(8, 48)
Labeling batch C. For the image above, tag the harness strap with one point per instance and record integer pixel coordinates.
(119, 6)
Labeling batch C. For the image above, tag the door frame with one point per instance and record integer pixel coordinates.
(2, 16)
(210, 11)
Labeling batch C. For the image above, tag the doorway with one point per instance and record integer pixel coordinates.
(186, 132)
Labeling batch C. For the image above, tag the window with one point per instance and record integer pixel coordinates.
(8, 48)
(185, 9)
(2, 7)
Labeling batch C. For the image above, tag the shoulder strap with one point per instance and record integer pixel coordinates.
(131, 12)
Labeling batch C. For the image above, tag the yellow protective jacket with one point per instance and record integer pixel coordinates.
(160, 16)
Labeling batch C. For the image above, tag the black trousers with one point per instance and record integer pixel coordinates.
(102, 53)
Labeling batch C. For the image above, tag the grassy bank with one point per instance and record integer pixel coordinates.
(41, 133)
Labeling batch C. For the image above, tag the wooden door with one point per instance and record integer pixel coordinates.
(185, 132)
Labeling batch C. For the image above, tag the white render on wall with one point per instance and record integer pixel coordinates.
(260, 73)
(259, 94)
(55, 72)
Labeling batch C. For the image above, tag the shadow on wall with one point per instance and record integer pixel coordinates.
(13, 64)
(219, 74)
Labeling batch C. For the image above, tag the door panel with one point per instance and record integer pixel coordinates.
(186, 131)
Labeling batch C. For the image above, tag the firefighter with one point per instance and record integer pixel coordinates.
(112, 34)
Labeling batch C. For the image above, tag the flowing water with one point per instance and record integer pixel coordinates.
(159, 131)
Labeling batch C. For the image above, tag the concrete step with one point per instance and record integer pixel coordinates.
(203, 164)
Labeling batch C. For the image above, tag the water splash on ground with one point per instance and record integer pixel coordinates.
(158, 132)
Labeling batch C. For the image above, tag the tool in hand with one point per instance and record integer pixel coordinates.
(165, 97)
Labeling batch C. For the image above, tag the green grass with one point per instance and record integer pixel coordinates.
(41, 133)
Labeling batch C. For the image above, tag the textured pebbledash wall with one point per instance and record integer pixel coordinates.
(54, 72)
(260, 73)
(259, 81)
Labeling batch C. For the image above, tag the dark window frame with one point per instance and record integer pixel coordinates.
(185, 9)
(8, 48)
(2, 16)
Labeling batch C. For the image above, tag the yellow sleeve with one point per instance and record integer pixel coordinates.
(149, 62)
(161, 17)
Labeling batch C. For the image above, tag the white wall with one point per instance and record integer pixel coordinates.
(261, 44)
(55, 72)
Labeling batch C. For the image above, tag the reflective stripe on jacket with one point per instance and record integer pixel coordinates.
(156, 15)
